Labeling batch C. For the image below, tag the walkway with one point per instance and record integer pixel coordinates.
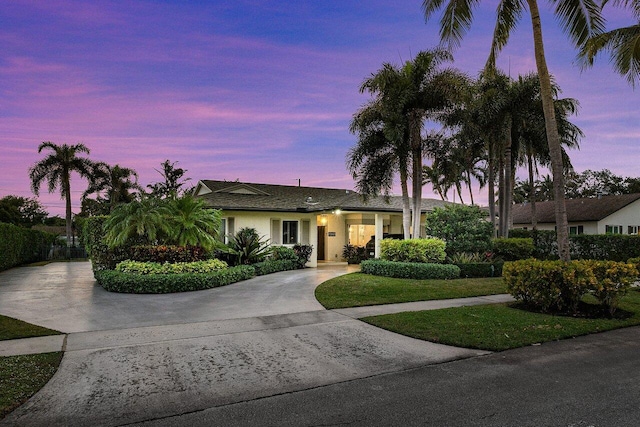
(131, 358)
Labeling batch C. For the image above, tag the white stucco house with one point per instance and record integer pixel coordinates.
(328, 219)
(602, 215)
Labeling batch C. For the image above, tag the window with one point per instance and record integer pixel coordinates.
(226, 229)
(289, 232)
(634, 229)
(576, 229)
(613, 229)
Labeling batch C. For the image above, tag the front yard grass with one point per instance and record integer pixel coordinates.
(22, 376)
(498, 327)
(358, 289)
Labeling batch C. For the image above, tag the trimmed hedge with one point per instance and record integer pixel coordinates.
(480, 269)
(137, 267)
(168, 253)
(275, 265)
(556, 285)
(115, 281)
(410, 270)
(102, 258)
(20, 245)
(413, 250)
(513, 249)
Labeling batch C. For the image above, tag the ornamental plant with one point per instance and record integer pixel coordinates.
(430, 250)
(137, 267)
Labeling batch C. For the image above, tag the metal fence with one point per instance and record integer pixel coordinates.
(60, 252)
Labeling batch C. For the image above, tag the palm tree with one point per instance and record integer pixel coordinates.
(380, 152)
(142, 222)
(410, 94)
(56, 169)
(116, 181)
(580, 19)
(192, 222)
(621, 43)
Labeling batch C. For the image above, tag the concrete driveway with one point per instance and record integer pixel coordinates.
(134, 358)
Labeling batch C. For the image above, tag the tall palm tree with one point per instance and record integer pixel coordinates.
(118, 183)
(580, 19)
(379, 153)
(56, 169)
(621, 43)
(410, 94)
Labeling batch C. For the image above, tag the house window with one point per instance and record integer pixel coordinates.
(226, 229)
(289, 232)
(576, 229)
(613, 229)
(634, 229)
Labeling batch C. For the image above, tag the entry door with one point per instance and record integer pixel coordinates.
(321, 234)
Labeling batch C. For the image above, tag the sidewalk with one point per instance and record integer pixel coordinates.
(59, 342)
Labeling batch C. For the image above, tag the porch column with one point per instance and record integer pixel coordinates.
(378, 224)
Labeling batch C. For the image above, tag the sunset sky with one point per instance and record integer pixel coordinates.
(255, 90)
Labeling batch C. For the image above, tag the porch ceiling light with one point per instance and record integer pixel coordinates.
(337, 212)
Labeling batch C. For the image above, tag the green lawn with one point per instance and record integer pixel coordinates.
(499, 327)
(22, 376)
(11, 328)
(358, 289)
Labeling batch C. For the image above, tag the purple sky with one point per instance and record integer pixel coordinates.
(255, 90)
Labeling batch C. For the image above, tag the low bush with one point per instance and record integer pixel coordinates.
(283, 253)
(168, 253)
(513, 249)
(635, 261)
(116, 281)
(304, 254)
(480, 269)
(20, 245)
(559, 286)
(429, 250)
(354, 254)
(137, 267)
(410, 270)
(275, 265)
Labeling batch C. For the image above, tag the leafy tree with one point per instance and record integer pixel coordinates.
(22, 211)
(173, 182)
(463, 228)
(56, 169)
(118, 184)
(580, 19)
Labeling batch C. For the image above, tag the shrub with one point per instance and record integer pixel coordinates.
(635, 261)
(137, 267)
(274, 265)
(611, 247)
(556, 285)
(20, 245)
(463, 228)
(414, 250)
(354, 254)
(283, 253)
(168, 253)
(304, 254)
(247, 247)
(480, 269)
(116, 281)
(410, 270)
(513, 249)
(102, 258)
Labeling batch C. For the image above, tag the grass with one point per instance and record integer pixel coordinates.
(22, 376)
(499, 327)
(11, 328)
(358, 289)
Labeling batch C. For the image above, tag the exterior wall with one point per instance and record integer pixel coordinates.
(335, 236)
(262, 221)
(589, 227)
(627, 216)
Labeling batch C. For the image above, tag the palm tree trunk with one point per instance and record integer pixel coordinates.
(416, 154)
(492, 189)
(532, 191)
(406, 204)
(553, 138)
(501, 191)
(469, 186)
(66, 184)
(508, 162)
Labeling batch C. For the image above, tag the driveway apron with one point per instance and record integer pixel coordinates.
(131, 358)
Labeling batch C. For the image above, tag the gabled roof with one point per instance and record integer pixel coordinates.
(578, 210)
(285, 198)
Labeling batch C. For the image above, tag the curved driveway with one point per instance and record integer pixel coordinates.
(134, 358)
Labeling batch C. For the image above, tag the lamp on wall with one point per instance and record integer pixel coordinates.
(323, 219)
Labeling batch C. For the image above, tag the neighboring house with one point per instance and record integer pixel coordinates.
(602, 215)
(327, 219)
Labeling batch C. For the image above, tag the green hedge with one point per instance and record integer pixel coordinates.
(480, 269)
(20, 245)
(275, 265)
(102, 258)
(513, 249)
(410, 270)
(115, 281)
(413, 250)
(137, 267)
